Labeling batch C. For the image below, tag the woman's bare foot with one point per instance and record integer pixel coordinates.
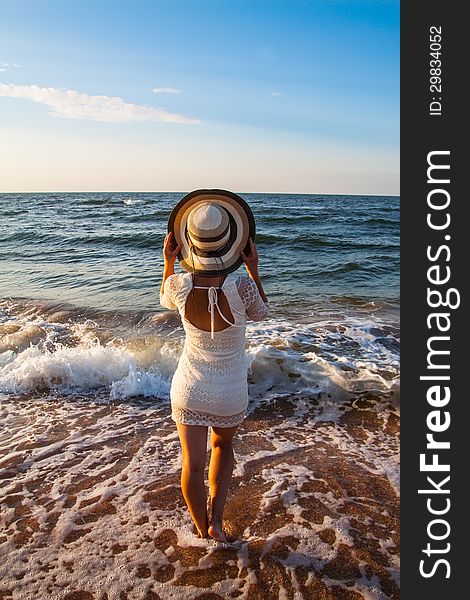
(198, 533)
(215, 531)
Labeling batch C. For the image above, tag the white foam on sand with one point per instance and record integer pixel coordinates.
(75, 457)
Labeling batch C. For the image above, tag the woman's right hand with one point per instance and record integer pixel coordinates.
(251, 260)
(169, 255)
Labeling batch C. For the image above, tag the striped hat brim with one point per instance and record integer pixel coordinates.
(225, 259)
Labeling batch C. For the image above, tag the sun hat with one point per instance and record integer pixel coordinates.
(213, 226)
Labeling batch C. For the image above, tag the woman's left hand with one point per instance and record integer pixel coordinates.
(251, 260)
(169, 255)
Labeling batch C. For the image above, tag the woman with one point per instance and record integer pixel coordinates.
(208, 232)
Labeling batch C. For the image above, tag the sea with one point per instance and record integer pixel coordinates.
(89, 458)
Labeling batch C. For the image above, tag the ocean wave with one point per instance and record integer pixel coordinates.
(129, 239)
(45, 348)
(382, 221)
(327, 241)
(95, 200)
(299, 219)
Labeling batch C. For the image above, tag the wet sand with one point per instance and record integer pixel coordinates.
(92, 509)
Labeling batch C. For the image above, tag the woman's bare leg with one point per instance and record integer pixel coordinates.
(193, 440)
(220, 471)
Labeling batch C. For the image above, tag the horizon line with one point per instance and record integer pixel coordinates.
(187, 192)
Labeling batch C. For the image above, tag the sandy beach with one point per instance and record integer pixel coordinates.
(97, 513)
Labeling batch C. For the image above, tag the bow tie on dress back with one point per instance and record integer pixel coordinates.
(213, 302)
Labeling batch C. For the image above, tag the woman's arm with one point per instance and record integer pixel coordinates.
(169, 258)
(251, 264)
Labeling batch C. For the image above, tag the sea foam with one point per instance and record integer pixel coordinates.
(80, 354)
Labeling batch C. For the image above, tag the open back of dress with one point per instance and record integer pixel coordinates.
(217, 320)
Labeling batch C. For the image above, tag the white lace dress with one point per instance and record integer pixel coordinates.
(209, 386)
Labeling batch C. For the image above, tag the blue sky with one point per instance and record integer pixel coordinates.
(172, 96)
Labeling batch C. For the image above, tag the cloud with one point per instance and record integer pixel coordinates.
(167, 90)
(4, 66)
(70, 104)
(274, 93)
